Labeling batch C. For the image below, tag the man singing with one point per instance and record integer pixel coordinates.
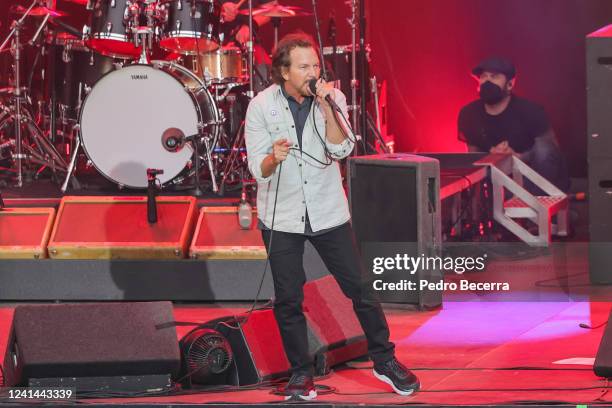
(294, 139)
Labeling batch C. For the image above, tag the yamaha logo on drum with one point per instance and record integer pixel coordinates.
(140, 76)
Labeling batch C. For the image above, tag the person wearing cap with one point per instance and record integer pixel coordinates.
(502, 122)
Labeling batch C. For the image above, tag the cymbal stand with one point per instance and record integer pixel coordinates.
(208, 146)
(354, 108)
(251, 91)
(232, 164)
(318, 31)
(46, 155)
(15, 32)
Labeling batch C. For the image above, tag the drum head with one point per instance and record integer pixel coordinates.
(124, 117)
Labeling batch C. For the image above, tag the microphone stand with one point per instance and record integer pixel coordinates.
(2, 206)
(195, 141)
(334, 43)
(354, 108)
(318, 31)
(251, 92)
(363, 76)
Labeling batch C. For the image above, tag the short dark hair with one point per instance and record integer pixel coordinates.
(280, 56)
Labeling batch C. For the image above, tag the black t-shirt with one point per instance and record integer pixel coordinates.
(519, 124)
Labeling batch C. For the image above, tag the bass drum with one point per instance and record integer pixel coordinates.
(129, 113)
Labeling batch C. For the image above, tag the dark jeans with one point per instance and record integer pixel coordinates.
(338, 250)
(547, 160)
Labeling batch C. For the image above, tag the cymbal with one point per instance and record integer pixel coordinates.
(277, 10)
(66, 37)
(38, 11)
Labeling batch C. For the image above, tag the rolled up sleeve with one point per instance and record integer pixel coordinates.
(342, 150)
(258, 140)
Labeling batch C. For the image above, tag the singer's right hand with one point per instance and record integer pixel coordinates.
(280, 150)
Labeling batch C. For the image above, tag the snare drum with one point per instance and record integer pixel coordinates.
(192, 26)
(110, 28)
(222, 66)
(129, 113)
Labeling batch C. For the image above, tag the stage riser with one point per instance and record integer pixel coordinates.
(179, 280)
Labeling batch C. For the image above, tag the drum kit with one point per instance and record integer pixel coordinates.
(107, 102)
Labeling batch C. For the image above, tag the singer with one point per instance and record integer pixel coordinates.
(294, 139)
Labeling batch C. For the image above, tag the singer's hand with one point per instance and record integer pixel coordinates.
(280, 150)
(229, 11)
(325, 89)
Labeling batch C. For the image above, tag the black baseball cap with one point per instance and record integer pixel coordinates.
(495, 64)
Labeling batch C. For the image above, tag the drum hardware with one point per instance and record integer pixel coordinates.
(144, 40)
(173, 140)
(144, 35)
(208, 149)
(318, 32)
(47, 154)
(354, 106)
(233, 165)
(71, 166)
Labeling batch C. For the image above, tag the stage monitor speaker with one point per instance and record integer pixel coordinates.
(395, 202)
(51, 344)
(334, 336)
(599, 86)
(600, 226)
(117, 228)
(218, 235)
(599, 148)
(603, 360)
(24, 232)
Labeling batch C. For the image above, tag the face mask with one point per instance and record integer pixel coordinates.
(491, 93)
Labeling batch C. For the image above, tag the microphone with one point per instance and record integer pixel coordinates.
(151, 194)
(312, 85)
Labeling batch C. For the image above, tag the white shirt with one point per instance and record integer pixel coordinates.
(304, 183)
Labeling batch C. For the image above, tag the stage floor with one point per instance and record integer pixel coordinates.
(466, 353)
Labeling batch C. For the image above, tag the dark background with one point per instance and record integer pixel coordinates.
(426, 48)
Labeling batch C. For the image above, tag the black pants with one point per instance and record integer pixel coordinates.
(338, 250)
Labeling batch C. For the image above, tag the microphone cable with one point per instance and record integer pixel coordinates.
(240, 322)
